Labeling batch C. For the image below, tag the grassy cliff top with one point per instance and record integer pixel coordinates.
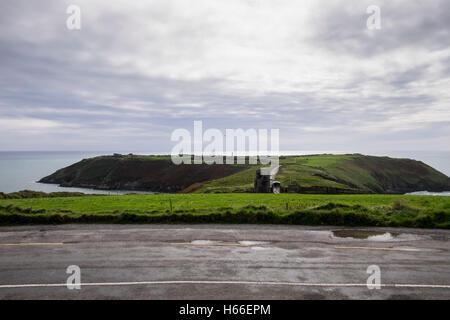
(350, 173)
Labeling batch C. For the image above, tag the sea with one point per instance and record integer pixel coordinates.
(20, 170)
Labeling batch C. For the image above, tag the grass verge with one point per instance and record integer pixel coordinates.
(336, 210)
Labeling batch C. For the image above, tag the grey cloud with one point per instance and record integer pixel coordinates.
(404, 24)
(68, 77)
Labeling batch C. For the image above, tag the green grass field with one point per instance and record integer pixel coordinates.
(362, 210)
(328, 173)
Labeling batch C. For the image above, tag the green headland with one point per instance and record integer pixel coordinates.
(320, 174)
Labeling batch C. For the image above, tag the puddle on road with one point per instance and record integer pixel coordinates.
(365, 235)
(251, 243)
(205, 242)
(244, 243)
(259, 248)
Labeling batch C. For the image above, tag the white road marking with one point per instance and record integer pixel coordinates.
(218, 244)
(264, 283)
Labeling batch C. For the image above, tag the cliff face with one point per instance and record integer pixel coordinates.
(309, 174)
(157, 174)
(403, 175)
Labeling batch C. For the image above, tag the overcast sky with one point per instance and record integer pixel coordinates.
(137, 70)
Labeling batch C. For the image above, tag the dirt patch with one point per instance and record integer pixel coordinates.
(194, 187)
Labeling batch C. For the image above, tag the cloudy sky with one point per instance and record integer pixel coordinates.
(137, 70)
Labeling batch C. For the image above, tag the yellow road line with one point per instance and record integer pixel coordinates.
(209, 244)
(33, 244)
(375, 248)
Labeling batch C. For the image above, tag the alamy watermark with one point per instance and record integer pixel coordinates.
(74, 280)
(211, 146)
(374, 20)
(374, 280)
(73, 21)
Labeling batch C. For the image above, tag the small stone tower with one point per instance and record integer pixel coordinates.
(265, 180)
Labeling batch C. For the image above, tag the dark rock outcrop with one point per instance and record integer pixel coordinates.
(156, 174)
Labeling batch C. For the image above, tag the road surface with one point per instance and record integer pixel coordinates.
(222, 262)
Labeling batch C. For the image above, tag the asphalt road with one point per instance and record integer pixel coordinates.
(222, 262)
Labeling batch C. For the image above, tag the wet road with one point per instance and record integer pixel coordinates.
(222, 262)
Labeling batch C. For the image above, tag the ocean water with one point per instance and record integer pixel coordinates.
(427, 193)
(19, 170)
